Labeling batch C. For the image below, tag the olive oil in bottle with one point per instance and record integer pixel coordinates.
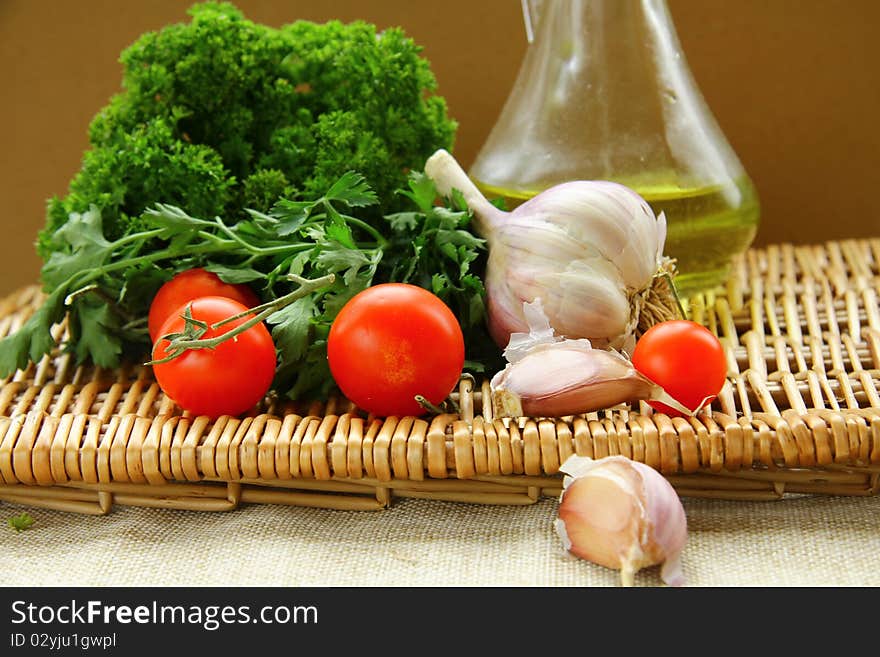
(705, 228)
(604, 92)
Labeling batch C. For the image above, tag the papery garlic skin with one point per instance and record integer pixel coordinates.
(623, 515)
(591, 251)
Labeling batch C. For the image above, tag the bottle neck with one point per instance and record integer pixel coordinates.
(608, 15)
(606, 89)
(632, 40)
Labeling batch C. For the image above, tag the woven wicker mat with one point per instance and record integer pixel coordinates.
(800, 413)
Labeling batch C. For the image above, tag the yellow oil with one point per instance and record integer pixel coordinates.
(706, 226)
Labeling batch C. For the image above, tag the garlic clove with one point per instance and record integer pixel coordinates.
(587, 303)
(531, 258)
(583, 302)
(623, 515)
(567, 378)
(551, 376)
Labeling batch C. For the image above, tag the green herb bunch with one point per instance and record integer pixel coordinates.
(222, 114)
(266, 155)
(103, 286)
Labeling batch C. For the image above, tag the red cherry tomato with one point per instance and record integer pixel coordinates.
(394, 341)
(683, 357)
(186, 286)
(227, 380)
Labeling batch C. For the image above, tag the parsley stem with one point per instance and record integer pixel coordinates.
(140, 237)
(202, 249)
(68, 300)
(381, 240)
(231, 233)
(97, 272)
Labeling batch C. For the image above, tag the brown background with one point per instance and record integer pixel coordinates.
(794, 84)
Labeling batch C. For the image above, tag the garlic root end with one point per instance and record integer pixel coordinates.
(506, 403)
(660, 301)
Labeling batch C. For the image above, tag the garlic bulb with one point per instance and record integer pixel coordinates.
(550, 376)
(622, 514)
(591, 251)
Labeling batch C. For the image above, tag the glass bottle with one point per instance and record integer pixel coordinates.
(604, 93)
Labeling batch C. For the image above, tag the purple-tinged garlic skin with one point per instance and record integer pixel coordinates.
(622, 514)
(566, 378)
(551, 376)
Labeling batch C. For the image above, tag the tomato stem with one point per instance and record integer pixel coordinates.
(448, 405)
(191, 339)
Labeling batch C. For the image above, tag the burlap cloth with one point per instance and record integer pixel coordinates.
(798, 541)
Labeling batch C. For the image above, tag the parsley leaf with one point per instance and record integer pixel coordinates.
(21, 522)
(352, 190)
(94, 333)
(291, 326)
